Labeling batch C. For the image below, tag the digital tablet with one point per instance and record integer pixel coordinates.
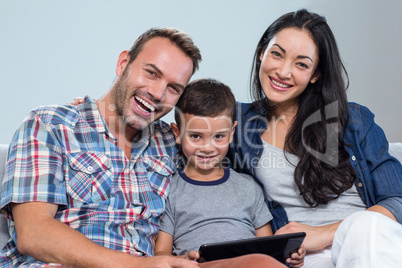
(278, 246)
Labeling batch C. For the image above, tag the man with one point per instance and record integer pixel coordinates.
(87, 184)
(114, 199)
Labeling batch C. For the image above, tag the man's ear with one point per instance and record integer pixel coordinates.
(176, 132)
(122, 62)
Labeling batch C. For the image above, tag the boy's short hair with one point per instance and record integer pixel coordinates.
(206, 97)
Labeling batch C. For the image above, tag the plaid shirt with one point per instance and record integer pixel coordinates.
(65, 155)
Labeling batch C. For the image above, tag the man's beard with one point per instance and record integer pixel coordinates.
(121, 99)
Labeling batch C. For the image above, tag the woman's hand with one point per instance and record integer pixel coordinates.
(317, 237)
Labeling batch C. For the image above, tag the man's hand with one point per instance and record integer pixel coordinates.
(166, 262)
(46, 239)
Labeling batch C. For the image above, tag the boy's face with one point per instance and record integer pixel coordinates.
(204, 140)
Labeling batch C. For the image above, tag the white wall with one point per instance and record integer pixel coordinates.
(52, 51)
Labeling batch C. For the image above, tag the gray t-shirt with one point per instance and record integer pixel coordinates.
(277, 177)
(204, 212)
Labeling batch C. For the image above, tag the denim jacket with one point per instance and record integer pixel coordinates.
(378, 174)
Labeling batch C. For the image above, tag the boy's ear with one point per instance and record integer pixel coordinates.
(176, 132)
(233, 131)
(234, 127)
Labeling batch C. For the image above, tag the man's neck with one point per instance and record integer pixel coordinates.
(117, 127)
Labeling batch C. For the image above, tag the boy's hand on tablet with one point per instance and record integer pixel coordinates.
(297, 258)
(192, 255)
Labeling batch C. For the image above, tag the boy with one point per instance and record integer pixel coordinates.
(208, 202)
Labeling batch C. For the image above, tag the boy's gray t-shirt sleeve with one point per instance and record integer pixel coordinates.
(262, 215)
(167, 222)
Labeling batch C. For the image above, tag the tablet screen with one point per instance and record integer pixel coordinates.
(277, 246)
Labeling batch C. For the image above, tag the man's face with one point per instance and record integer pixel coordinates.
(151, 85)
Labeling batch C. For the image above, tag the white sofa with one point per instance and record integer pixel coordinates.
(395, 149)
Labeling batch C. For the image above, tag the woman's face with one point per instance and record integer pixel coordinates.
(288, 65)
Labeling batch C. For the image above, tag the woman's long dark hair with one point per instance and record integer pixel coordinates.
(316, 135)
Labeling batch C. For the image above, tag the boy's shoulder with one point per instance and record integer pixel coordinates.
(237, 174)
(246, 183)
(175, 180)
(245, 178)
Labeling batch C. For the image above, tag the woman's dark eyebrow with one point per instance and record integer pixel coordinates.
(299, 57)
(281, 48)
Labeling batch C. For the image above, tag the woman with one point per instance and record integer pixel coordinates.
(321, 160)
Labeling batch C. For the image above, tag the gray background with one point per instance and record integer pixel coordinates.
(52, 51)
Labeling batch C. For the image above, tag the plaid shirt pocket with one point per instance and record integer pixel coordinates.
(160, 170)
(89, 178)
